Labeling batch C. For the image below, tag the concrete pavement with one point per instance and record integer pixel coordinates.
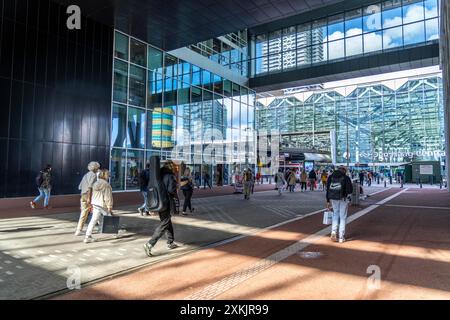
(38, 255)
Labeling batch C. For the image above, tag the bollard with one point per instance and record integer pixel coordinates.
(401, 183)
(440, 185)
(420, 182)
(385, 184)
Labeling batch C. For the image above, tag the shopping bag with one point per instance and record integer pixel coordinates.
(110, 224)
(327, 217)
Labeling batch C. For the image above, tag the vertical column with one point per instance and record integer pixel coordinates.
(445, 66)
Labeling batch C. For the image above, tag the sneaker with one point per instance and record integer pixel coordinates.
(89, 239)
(32, 205)
(184, 213)
(334, 237)
(148, 249)
(141, 211)
(147, 213)
(78, 233)
(341, 240)
(192, 210)
(172, 246)
(46, 207)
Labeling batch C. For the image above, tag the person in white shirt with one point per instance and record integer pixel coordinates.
(86, 194)
(102, 202)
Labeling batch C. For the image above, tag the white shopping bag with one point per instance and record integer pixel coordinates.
(327, 217)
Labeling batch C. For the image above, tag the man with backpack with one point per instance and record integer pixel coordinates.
(44, 185)
(144, 178)
(168, 192)
(339, 187)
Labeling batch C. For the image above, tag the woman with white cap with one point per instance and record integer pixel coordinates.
(86, 194)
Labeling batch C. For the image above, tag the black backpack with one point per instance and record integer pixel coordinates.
(158, 199)
(336, 188)
(39, 179)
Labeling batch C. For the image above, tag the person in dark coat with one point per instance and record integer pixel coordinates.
(165, 226)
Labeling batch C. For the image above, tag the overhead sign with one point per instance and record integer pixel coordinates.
(426, 169)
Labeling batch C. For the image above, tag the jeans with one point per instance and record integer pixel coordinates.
(206, 182)
(97, 213)
(340, 208)
(43, 193)
(144, 206)
(187, 193)
(165, 226)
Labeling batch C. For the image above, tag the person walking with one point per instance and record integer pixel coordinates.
(291, 181)
(339, 187)
(102, 202)
(303, 180)
(323, 179)
(280, 181)
(198, 180)
(44, 185)
(169, 184)
(206, 180)
(361, 178)
(187, 188)
(312, 177)
(247, 181)
(144, 178)
(85, 187)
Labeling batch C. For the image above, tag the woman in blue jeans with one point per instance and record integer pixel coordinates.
(44, 184)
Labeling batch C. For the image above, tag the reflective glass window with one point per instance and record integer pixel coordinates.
(138, 52)
(289, 38)
(121, 46)
(336, 49)
(136, 128)
(392, 38)
(392, 13)
(304, 55)
(353, 46)
(119, 125)
(261, 65)
(261, 45)
(196, 76)
(319, 53)
(431, 8)
(412, 11)
(372, 18)
(117, 170)
(336, 27)
(289, 59)
(432, 29)
(137, 86)
(373, 42)
(120, 81)
(319, 32)
(414, 33)
(135, 164)
(155, 59)
(155, 89)
(353, 23)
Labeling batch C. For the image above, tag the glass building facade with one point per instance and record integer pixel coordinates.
(165, 106)
(380, 123)
(230, 51)
(379, 27)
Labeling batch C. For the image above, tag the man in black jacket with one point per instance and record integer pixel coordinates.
(339, 187)
(165, 226)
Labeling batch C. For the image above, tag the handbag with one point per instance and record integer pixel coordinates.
(327, 217)
(110, 224)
